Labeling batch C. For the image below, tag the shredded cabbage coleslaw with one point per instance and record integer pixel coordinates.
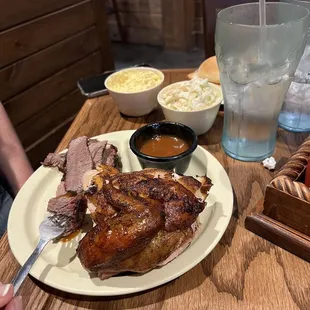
(194, 95)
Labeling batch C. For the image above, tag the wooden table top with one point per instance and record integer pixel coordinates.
(243, 271)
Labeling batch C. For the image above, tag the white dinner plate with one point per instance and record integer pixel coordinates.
(58, 265)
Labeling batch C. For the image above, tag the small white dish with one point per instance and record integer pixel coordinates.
(58, 265)
(136, 103)
(200, 121)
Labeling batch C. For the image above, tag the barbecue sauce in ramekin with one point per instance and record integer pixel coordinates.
(164, 146)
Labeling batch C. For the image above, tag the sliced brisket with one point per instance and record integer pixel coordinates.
(96, 150)
(61, 190)
(110, 157)
(83, 155)
(105, 153)
(79, 161)
(74, 207)
(55, 160)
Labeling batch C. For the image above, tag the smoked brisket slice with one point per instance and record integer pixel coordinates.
(104, 153)
(96, 150)
(110, 157)
(55, 160)
(89, 152)
(61, 190)
(79, 161)
(74, 207)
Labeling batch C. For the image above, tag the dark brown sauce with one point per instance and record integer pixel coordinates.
(71, 236)
(164, 146)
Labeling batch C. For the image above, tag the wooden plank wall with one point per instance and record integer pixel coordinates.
(178, 24)
(168, 23)
(142, 20)
(199, 34)
(45, 47)
(209, 10)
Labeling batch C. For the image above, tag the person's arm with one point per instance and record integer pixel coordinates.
(14, 163)
(7, 301)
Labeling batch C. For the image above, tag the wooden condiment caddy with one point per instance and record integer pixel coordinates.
(283, 216)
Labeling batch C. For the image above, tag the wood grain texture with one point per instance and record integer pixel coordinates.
(47, 143)
(141, 22)
(243, 271)
(28, 38)
(27, 72)
(199, 25)
(288, 210)
(210, 9)
(144, 6)
(10, 16)
(101, 22)
(138, 35)
(138, 20)
(278, 233)
(283, 216)
(178, 24)
(41, 123)
(198, 8)
(63, 81)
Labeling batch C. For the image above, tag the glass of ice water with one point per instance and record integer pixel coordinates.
(257, 63)
(295, 114)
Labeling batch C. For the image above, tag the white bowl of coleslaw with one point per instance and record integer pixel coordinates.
(194, 103)
(135, 90)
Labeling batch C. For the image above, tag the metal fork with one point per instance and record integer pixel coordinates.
(51, 228)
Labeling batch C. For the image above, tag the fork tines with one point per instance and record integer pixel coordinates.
(58, 219)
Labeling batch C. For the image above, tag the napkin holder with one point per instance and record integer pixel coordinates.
(283, 216)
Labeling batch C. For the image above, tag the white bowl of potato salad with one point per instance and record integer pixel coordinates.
(135, 90)
(194, 103)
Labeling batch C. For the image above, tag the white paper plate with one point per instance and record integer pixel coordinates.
(60, 268)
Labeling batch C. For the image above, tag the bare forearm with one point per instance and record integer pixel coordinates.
(15, 167)
(13, 161)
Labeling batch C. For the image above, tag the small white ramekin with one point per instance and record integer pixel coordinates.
(138, 103)
(200, 121)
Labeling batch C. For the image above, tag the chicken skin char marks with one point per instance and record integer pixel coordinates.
(144, 219)
(180, 206)
(121, 236)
